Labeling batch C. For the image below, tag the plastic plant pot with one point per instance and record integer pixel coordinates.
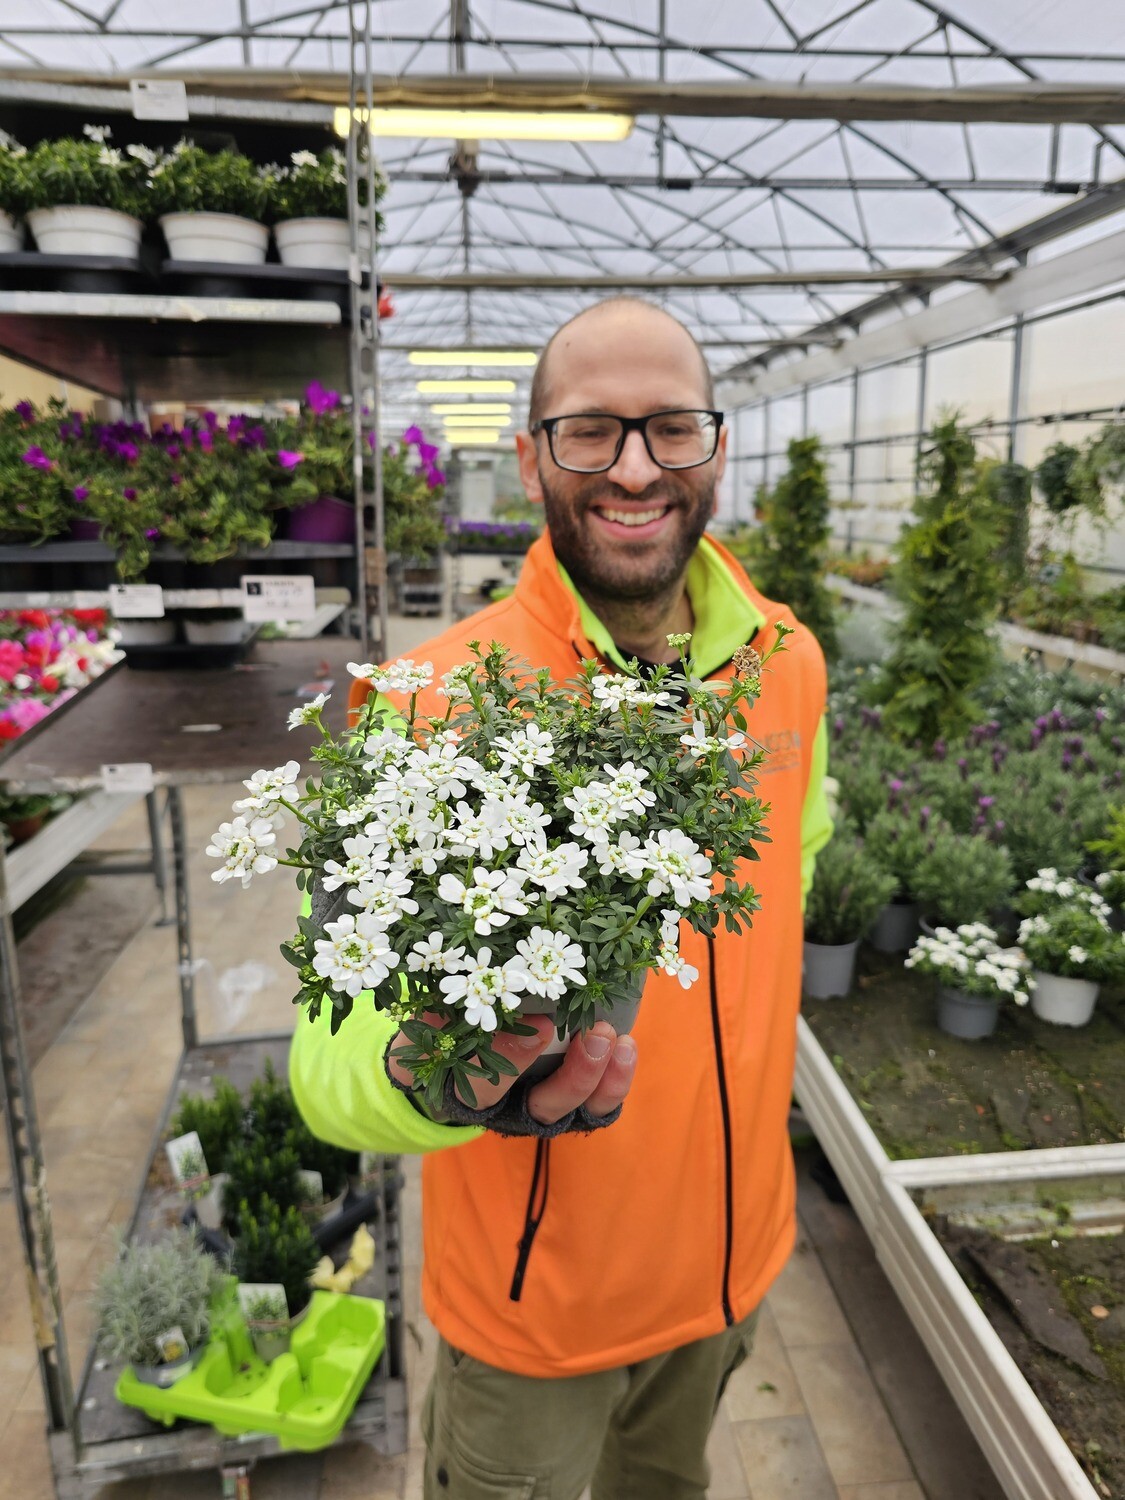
(147, 632)
(165, 1375)
(11, 235)
(319, 244)
(1062, 1001)
(79, 230)
(621, 1013)
(829, 969)
(896, 927)
(967, 1016)
(228, 238)
(323, 520)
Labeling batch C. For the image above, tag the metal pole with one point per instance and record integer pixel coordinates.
(355, 278)
(920, 425)
(183, 920)
(766, 443)
(804, 411)
(159, 862)
(853, 452)
(1015, 397)
(29, 1188)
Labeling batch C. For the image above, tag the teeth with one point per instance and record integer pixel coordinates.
(634, 517)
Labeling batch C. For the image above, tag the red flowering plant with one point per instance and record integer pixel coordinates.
(46, 656)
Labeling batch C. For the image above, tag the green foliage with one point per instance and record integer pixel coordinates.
(217, 1121)
(33, 496)
(316, 187)
(898, 840)
(189, 179)
(1110, 846)
(794, 542)
(948, 581)
(151, 1289)
(1057, 479)
(256, 1177)
(276, 1245)
(848, 892)
(963, 879)
(13, 183)
(1073, 941)
(89, 173)
(1007, 487)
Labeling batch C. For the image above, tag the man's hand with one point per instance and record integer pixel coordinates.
(596, 1070)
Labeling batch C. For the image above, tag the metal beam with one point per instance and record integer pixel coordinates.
(763, 280)
(1030, 102)
(485, 175)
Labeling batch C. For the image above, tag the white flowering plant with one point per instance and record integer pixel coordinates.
(1075, 941)
(90, 172)
(534, 847)
(971, 959)
(311, 186)
(1047, 890)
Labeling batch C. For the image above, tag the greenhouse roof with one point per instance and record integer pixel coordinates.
(773, 143)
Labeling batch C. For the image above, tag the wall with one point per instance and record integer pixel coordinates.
(21, 383)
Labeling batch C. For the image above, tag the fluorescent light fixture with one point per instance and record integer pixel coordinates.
(492, 124)
(472, 409)
(478, 421)
(473, 357)
(466, 387)
(468, 437)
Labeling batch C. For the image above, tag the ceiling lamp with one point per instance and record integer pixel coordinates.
(473, 357)
(466, 387)
(468, 437)
(492, 124)
(475, 421)
(472, 409)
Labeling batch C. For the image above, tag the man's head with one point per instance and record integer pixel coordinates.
(625, 358)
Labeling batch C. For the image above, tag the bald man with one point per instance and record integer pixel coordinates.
(597, 1245)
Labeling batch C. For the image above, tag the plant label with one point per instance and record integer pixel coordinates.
(172, 1345)
(159, 98)
(136, 601)
(291, 597)
(189, 1165)
(128, 776)
(263, 1302)
(312, 1186)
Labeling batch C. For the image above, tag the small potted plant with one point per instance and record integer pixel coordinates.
(848, 892)
(153, 1307)
(1047, 890)
(213, 627)
(86, 197)
(897, 839)
(975, 976)
(1072, 951)
(24, 816)
(309, 199)
(13, 193)
(274, 1250)
(211, 205)
(962, 879)
(1109, 882)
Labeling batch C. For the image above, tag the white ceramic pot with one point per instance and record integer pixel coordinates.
(147, 632)
(323, 244)
(11, 235)
(79, 230)
(1064, 1002)
(215, 632)
(215, 237)
(829, 969)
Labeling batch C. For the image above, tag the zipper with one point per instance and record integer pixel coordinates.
(533, 1215)
(724, 1100)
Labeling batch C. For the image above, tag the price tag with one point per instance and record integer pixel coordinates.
(128, 776)
(136, 601)
(159, 99)
(289, 597)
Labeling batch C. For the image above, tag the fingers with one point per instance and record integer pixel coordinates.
(577, 1077)
(616, 1080)
(521, 1051)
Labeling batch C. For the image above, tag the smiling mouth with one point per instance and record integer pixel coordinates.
(633, 517)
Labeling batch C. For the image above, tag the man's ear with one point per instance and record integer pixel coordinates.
(528, 455)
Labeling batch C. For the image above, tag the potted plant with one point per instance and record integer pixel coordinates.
(153, 1307)
(85, 197)
(273, 1125)
(309, 200)
(274, 1249)
(211, 205)
(1072, 951)
(13, 193)
(563, 872)
(1047, 890)
(213, 627)
(897, 839)
(848, 892)
(962, 879)
(1109, 850)
(975, 976)
(23, 817)
(257, 1174)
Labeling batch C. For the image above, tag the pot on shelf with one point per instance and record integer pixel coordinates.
(967, 1016)
(896, 927)
(320, 244)
(215, 632)
(79, 230)
(165, 1375)
(147, 632)
(828, 969)
(215, 237)
(11, 234)
(620, 1010)
(325, 519)
(23, 829)
(1062, 1001)
(84, 530)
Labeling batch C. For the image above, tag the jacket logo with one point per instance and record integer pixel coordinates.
(783, 751)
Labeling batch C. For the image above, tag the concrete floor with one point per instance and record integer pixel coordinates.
(838, 1401)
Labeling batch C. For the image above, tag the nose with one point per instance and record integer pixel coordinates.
(634, 469)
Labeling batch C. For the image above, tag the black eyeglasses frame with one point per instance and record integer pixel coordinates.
(628, 425)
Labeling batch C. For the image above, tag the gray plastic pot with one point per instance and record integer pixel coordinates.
(966, 1016)
(620, 1011)
(168, 1374)
(829, 969)
(896, 927)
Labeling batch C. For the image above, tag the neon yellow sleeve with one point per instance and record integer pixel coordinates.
(816, 816)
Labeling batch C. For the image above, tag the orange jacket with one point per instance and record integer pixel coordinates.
(589, 1252)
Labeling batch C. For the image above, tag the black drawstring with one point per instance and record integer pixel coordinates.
(533, 1216)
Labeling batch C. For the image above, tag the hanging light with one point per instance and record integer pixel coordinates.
(466, 387)
(472, 409)
(459, 437)
(492, 124)
(478, 421)
(473, 357)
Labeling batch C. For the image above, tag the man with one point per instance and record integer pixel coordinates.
(595, 1291)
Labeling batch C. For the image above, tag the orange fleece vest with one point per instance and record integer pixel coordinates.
(589, 1252)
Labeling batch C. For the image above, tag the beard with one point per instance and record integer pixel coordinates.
(644, 571)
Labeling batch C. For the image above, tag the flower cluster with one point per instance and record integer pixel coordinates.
(1048, 890)
(971, 959)
(521, 846)
(1073, 939)
(45, 657)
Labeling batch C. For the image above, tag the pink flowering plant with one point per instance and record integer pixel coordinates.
(535, 847)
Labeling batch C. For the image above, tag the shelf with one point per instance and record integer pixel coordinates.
(95, 552)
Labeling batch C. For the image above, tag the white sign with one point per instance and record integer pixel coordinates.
(285, 597)
(128, 776)
(136, 601)
(158, 99)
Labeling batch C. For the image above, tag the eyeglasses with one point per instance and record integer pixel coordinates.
(592, 443)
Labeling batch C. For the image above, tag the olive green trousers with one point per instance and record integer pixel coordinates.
(634, 1433)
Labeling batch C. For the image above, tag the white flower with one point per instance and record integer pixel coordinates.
(526, 750)
(357, 812)
(672, 963)
(144, 154)
(621, 855)
(99, 133)
(307, 712)
(403, 676)
(1077, 955)
(480, 987)
(700, 743)
(429, 956)
(556, 870)
(412, 839)
(594, 812)
(303, 159)
(455, 683)
(268, 787)
(480, 832)
(615, 692)
(443, 771)
(387, 748)
(385, 898)
(522, 820)
(551, 962)
(491, 900)
(244, 848)
(625, 790)
(669, 927)
(366, 671)
(355, 955)
(359, 864)
(677, 866)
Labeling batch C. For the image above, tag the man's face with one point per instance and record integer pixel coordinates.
(630, 532)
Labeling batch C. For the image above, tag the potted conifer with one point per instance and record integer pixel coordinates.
(275, 1253)
(849, 890)
(962, 879)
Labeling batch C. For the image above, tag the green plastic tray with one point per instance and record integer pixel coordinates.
(304, 1397)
